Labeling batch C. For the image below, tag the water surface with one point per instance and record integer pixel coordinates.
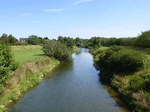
(74, 87)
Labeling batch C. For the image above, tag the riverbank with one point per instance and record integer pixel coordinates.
(133, 87)
(28, 74)
(71, 81)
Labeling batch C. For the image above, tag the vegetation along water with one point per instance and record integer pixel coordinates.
(41, 75)
(75, 87)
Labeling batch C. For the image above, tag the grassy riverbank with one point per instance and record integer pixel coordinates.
(127, 70)
(33, 66)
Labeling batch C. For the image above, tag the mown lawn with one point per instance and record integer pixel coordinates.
(25, 54)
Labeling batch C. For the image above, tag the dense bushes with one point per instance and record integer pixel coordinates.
(126, 61)
(56, 49)
(140, 82)
(127, 71)
(118, 60)
(6, 62)
(97, 42)
(143, 40)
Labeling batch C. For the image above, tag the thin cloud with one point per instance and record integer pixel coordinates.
(82, 1)
(53, 10)
(26, 14)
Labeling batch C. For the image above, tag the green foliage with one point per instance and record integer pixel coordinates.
(126, 60)
(35, 40)
(134, 89)
(144, 39)
(68, 41)
(140, 82)
(71, 42)
(97, 42)
(6, 62)
(8, 39)
(56, 49)
(118, 60)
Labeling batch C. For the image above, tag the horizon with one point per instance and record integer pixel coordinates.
(74, 18)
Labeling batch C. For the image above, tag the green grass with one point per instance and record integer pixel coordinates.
(35, 67)
(25, 54)
(31, 74)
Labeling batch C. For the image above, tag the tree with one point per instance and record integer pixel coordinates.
(8, 39)
(70, 42)
(56, 49)
(35, 40)
(143, 40)
(6, 62)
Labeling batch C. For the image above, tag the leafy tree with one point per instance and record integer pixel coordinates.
(8, 39)
(6, 62)
(70, 42)
(56, 49)
(35, 40)
(144, 39)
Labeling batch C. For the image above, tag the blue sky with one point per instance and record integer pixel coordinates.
(77, 18)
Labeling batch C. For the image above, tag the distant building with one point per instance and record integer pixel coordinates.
(23, 40)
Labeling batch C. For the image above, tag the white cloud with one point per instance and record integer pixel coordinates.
(82, 1)
(53, 10)
(26, 14)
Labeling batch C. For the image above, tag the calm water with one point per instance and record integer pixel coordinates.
(75, 87)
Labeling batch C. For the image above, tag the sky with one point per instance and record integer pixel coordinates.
(75, 18)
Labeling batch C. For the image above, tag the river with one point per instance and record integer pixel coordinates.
(74, 87)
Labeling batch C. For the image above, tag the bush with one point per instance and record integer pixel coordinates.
(6, 62)
(143, 40)
(56, 49)
(119, 60)
(126, 61)
(34, 40)
(140, 82)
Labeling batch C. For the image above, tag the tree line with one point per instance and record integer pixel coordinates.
(143, 40)
(31, 40)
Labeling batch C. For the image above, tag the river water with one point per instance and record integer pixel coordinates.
(74, 87)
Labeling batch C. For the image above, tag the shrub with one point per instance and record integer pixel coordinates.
(126, 61)
(140, 82)
(119, 60)
(143, 40)
(6, 62)
(56, 49)
(34, 40)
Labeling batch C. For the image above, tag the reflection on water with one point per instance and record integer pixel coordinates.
(74, 87)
